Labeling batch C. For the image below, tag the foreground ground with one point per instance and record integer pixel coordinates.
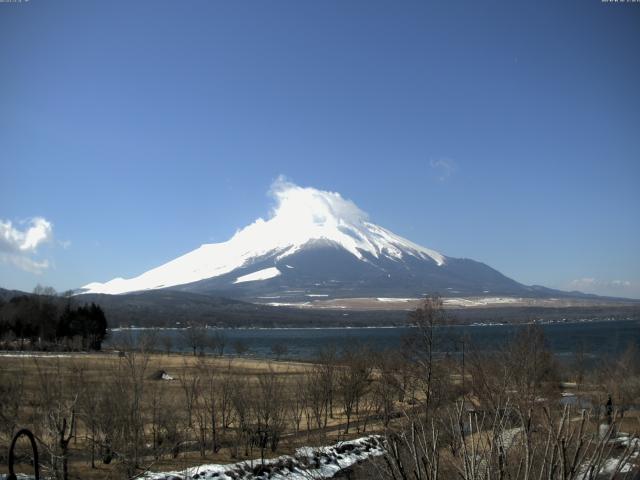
(121, 414)
(170, 387)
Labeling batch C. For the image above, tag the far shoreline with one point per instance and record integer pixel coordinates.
(380, 327)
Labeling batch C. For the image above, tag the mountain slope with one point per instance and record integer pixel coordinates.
(324, 269)
(303, 217)
(317, 243)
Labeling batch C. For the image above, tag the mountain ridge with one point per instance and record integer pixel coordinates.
(302, 217)
(318, 244)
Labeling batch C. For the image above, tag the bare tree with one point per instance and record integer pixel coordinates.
(297, 400)
(353, 378)
(533, 372)
(279, 350)
(317, 395)
(218, 342)
(241, 401)
(127, 387)
(213, 403)
(155, 405)
(202, 413)
(88, 403)
(269, 412)
(190, 385)
(12, 388)
(327, 360)
(389, 387)
(240, 347)
(194, 338)
(167, 342)
(226, 393)
(425, 318)
(57, 417)
(621, 378)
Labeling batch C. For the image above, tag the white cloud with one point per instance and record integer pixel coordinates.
(24, 263)
(445, 168)
(294, 203)
(18, 246)
(621, 288)
(579, 283)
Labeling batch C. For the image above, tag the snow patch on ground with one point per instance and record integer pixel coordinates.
(626, 463)
(480, 301)
(288, 304)
(383, 299)
(627, 441)
(306, 463)
(263, 274)
(610, 466)
(42, 355)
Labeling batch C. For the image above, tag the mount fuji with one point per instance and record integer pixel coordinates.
(317, 244)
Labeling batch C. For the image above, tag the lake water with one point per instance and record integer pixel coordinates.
(596, 338)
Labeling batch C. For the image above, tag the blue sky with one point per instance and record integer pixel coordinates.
(507, 132)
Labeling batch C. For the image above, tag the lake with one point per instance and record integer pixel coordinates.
(596, 338)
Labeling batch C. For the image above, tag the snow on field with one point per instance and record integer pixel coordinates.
(611, 466)
(479, 301)
(264, 274)
(287, 304)
(42, 355)
(459, 301)
(307, 463)
(382, 299)
(628, 462)
(627, 441)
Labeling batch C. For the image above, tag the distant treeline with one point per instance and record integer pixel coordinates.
(46, 321)
(174, 308)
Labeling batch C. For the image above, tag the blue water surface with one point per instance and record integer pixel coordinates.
(594, 338)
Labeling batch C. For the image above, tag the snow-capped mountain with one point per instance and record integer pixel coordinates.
(316, 243)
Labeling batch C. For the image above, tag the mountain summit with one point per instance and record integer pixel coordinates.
(316, 244)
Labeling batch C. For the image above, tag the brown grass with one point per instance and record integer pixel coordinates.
(96, 367)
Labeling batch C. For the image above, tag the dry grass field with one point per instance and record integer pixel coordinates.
(115, 415)
(76, 385)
